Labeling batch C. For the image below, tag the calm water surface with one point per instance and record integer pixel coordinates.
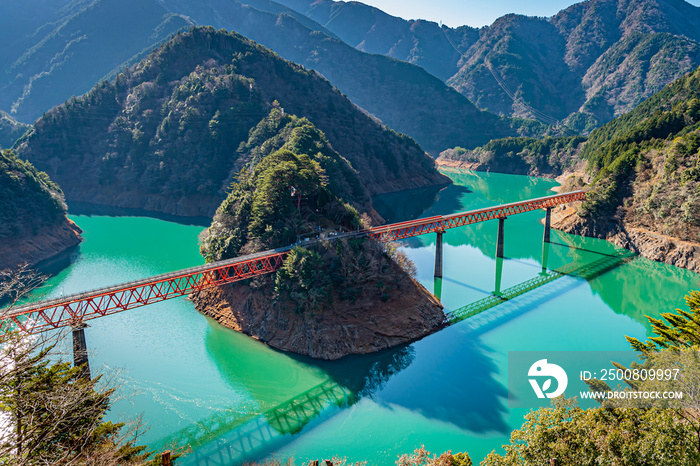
(193, 379)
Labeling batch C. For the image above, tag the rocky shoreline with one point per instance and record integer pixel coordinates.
(48, 243)
(447, 163)
(654, 246)
(367, 325)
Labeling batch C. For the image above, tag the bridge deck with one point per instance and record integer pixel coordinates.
(74, 309)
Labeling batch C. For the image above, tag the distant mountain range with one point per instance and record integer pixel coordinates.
(170, 134)
(589, 63)
(74, 47)
(586, 65)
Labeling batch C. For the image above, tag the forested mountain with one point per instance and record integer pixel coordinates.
(10, 130)
(646, 172)
(166, 135)
(403, 96)
(69, 53)
(586, 65)
(33, 223)
(600, 58)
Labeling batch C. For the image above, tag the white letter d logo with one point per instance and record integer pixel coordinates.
(542, 369)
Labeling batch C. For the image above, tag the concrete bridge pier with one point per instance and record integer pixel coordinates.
(80, 353)
(438, 254)
(499, 247)
(547, 222)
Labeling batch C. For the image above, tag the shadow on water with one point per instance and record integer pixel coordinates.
(54, 265)
(414, 203)
(232, 437)
(395, 377)
(88, 209)
(518, 299)
(364, 374)
(247, 433)
(466, 395)
(238, 435)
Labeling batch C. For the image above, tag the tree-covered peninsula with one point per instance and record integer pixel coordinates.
(33, 223)
(332, 297)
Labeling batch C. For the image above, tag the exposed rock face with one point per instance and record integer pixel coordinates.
(651, 245)
(367, 325)
(49, 242)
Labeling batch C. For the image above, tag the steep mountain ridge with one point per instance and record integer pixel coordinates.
(591, 62)
(424, 43)
(165, 136)
(10, 130)
(79, 47)
(598, 59)
(405, 97)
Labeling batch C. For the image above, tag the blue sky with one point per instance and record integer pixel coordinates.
(475, 13)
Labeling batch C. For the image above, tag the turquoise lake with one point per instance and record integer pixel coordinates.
(192, 378)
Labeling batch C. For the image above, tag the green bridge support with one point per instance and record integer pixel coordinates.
(438, 255)
(499, 276)
(499, 247)
(545, 256)
(547, 223)
(437, 287)
(80, 353)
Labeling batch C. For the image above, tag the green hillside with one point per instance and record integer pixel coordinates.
(292, 183)
(647, 165)
(29, 200)
(165, 136)
(294, 188)
(549, 156)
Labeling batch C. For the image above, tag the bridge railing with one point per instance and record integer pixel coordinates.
(422, 226)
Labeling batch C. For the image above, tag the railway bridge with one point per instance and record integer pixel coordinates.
(74, 310)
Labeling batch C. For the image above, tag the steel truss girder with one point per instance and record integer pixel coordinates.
(53, 314)
(423, 226)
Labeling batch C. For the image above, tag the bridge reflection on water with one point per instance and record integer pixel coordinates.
(232, 437)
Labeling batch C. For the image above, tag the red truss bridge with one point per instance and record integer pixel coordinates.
(75, 309)
(421, 226)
